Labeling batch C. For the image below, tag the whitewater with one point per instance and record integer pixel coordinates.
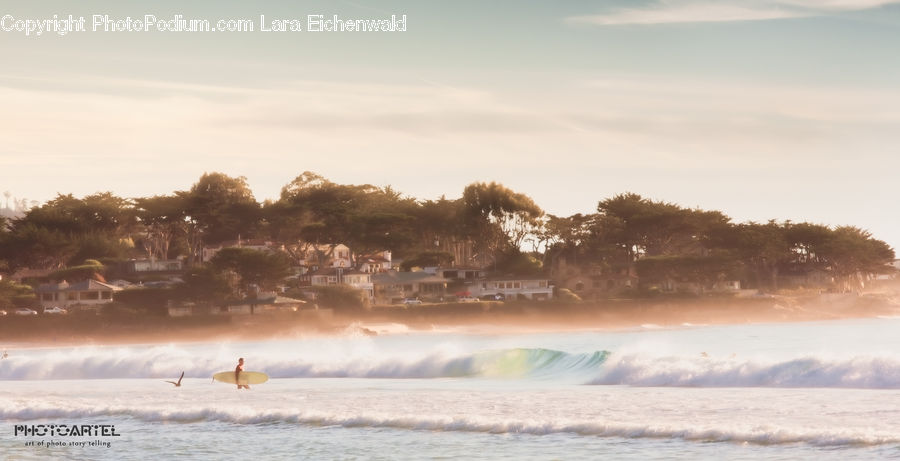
(818, 390)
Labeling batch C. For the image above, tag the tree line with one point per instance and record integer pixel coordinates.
(504, 230)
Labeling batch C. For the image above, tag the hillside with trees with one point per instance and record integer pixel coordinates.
(488, 226)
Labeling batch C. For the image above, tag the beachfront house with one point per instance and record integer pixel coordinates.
(340, 276)
(86, 293)
(208, 252)
(153, 265)
(393, 286)
(512, 287)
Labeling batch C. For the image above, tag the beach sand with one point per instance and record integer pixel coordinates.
(487, 317)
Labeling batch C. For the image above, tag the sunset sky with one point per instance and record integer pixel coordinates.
(784, 109)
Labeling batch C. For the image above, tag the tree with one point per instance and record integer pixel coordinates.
(29, 245)
(366, 218)
(705, 271)
(261, 269)
(498, 217)
(90, 269)
(67, 228)
(204, 285)
(764, 249)
(163, 218)
(14, 295)
(650, 228)
(853, 256)
(221, 208)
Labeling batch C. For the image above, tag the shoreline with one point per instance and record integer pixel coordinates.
(477, 318)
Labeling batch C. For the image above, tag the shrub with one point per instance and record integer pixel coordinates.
(341, 297)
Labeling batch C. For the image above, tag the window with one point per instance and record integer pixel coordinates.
(517, 285)
(90, 295)
(47, 297)
(73, 296)
(106, 295)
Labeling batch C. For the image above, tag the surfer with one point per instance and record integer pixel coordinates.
(178, 384)
(237, 372)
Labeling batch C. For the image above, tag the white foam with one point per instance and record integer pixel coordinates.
(814, 372)
(755, 435)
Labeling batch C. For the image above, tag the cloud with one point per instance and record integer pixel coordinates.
(692, 11)
(143, 137)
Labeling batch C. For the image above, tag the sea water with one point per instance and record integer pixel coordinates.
(821, 390)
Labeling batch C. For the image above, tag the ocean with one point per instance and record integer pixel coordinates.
(815, 390)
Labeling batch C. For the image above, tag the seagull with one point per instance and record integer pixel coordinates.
(178, 384)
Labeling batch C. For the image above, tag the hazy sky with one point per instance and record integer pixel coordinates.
(785, 109)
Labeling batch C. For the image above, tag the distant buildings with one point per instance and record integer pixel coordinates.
(86, 293)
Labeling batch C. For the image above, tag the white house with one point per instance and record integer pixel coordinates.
(208, 252)
(86, 293)
(392, 285)
(375, 263)
(339, 276)
(512, 287)
(154, 265)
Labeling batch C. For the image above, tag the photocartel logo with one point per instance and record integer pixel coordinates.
(66, 430)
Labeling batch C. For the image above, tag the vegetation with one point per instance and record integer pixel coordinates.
(13, 295)
(491, 225)
(341, 297)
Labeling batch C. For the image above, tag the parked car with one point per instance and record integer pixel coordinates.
(2, 313)
(25, 311)
(412, 301)
(55, 310)
(494, 297)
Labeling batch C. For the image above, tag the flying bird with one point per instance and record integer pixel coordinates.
(178, 384)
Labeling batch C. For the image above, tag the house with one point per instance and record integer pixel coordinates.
(374, 263)
(512, 287)
(394, 285)
(460, 273)
(141, 266)
(340, 276)
(316, 256)
(86, 293)
(208, 252)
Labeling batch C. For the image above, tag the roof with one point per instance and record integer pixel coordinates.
(395, 277)
(512, 278)
(87, 285)
(280, 300)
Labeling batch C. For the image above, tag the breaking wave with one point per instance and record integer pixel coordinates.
(813, 372)
(160, 362)
(754, 435)
(597, 368)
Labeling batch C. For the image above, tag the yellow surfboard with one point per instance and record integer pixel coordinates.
(246, 377)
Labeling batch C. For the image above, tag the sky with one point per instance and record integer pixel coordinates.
(763, 109)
